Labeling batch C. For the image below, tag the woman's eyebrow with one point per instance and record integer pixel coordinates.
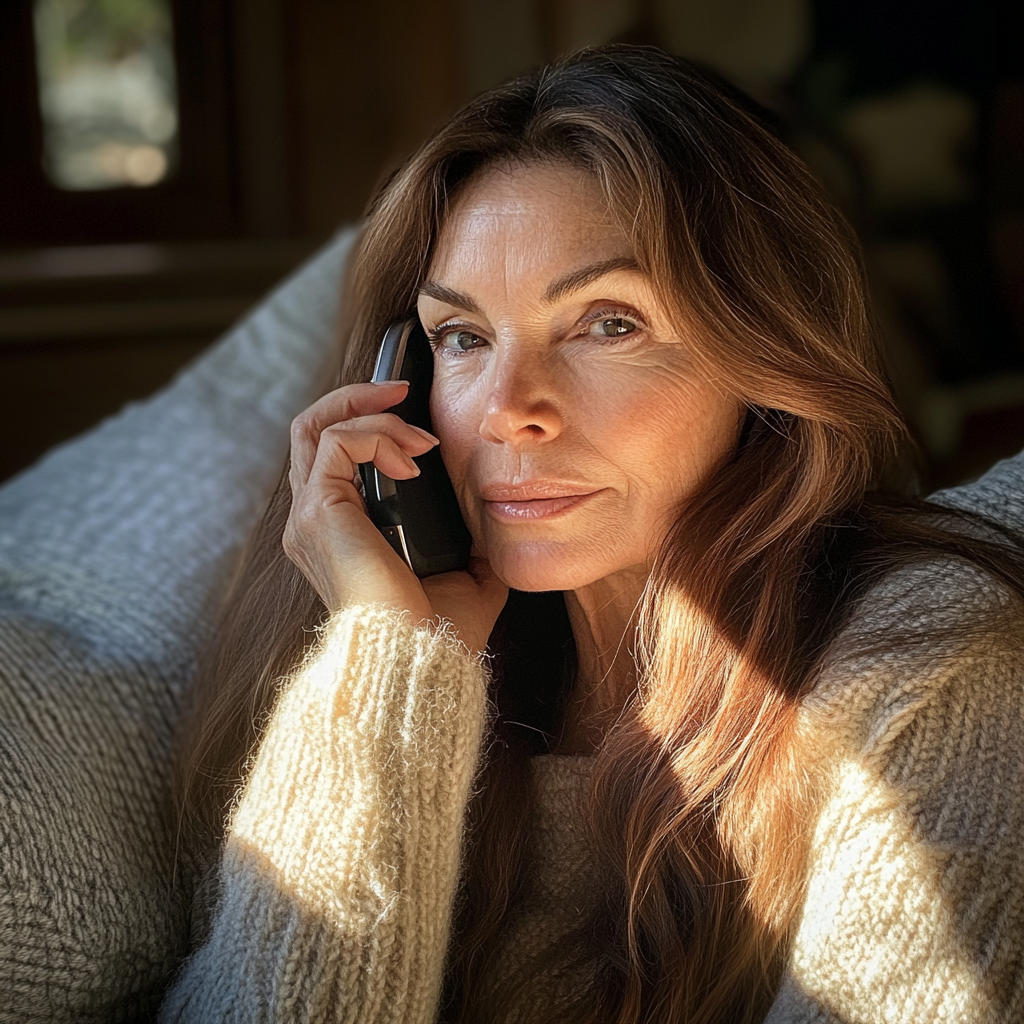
(563, 286)
(582, 277)
(449, 296)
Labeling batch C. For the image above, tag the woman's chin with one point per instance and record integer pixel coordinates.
(541, 570)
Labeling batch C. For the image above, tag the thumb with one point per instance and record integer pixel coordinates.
(490, 587)
(471, 600)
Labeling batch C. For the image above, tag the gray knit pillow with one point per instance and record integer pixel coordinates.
(124, 534)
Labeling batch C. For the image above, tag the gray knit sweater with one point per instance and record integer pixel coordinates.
(337, 879)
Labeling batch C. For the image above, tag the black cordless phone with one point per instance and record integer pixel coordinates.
(419, 517)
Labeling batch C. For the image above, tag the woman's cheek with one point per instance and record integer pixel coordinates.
(614, 411)
(452, 419)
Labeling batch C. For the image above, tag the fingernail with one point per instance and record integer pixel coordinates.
(423, 433)
(405, 382)
(412, 465)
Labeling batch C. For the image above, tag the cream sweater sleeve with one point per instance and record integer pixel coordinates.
(915, 905)
(342, 857)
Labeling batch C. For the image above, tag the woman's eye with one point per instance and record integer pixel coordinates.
(461, 341)
(612, 327)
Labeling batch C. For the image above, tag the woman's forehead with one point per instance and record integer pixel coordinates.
(524, 217)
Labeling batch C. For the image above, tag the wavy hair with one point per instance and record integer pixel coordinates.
(702, 795)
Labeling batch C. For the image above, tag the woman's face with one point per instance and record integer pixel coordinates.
(571, 416)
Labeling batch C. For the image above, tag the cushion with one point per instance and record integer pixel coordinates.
(125, 534)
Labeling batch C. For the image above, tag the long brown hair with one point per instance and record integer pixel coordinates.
(702, 794)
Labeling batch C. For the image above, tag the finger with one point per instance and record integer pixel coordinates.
(342, 449)
(490, 586)
(391, 446)
(327, 486)
(472, 600)
(410, 438)
(356, 400)
(341, 404)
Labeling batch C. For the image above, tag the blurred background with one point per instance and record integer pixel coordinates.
(164, 162)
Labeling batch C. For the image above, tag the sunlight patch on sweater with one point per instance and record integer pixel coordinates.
(844, 951)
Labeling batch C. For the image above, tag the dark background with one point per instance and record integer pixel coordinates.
(912, 115)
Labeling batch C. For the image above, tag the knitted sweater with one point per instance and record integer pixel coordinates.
(341, 864)
(342, 858)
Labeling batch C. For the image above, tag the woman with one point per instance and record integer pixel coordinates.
(741, 742)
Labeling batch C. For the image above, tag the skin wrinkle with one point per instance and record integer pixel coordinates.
(519, 266)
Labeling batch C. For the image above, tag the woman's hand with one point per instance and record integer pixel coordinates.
(331, 539)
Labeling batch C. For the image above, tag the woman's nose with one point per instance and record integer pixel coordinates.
(520, 406)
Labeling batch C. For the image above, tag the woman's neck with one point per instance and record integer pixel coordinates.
(603, 618)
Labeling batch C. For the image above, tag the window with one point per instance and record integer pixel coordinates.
(117, 121)
(107, 92)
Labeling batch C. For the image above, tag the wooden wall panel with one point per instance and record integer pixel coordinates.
(370, 82)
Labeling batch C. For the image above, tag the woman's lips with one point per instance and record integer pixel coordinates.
(531, 501)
